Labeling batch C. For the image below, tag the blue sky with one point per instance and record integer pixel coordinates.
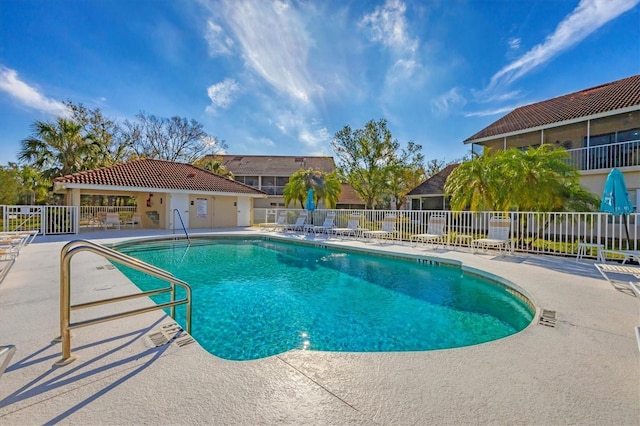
(282, 77)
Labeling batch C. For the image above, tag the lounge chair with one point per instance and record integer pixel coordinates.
(497, 237)
(133, 221)
(615, 273)
(387, 230)
(353, 227)
(112, 219)
(327, 225)
(300, 222)
(435, 231)
(625, 255)
(281, 222)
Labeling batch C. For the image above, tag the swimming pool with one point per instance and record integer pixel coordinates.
(254, 298)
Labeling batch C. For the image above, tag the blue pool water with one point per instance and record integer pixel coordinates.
(256, 298)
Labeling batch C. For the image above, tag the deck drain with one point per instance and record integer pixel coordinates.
(184, 340)
(106, 267)
(168, 333)
(547, 318)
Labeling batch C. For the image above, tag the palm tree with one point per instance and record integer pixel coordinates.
(472, 184)
(535, 179)
(326, 187)
(214, 165)
(59, 148)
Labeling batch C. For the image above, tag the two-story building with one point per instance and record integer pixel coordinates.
(598, 126)
(270, 173)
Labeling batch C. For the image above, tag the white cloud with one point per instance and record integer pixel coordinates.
(387, 25)
(446, 102)
(514, 43)
(274, 42)
(219, 43)
(222, 94)
(315, 138)
(498, 111)
(588, 17)
(28, 95)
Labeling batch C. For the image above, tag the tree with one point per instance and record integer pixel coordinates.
(10, 188)
(214, 165)
(368, 158)
(171, 139)
(326, 187)
(535, 179)
(103, 132)
(59, 148)
(408, 173)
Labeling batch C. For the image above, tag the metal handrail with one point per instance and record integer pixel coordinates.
(77, 246)
(9, 350)
(181, 222)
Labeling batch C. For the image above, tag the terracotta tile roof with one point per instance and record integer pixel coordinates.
(595, 100)
(435, 184)
(274, 165)
(148, 173)
(349, 196)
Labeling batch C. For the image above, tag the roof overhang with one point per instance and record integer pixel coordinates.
(556, 124)
(62, 186)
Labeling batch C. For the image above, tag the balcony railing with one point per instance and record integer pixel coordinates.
(621, 154)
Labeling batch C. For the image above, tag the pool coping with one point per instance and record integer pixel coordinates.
(585, 370)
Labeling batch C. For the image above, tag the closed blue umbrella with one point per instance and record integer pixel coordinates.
(310, 205)
(615, 198)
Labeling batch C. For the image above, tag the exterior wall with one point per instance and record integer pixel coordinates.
(269, 202)
(201, 211)
(594, 182)
(152, 209)
(225, 212)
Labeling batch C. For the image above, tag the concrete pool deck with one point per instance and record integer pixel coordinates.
(585, 370)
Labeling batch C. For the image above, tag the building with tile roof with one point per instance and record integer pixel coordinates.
(270, 173)
(598, 126)
(204, 199)
(429, 195)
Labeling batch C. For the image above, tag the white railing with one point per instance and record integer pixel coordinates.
(93, 216)
(47, 220)
(531, 232)
(621, 154)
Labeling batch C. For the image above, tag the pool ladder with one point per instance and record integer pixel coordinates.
(77, 246)
(181, 222)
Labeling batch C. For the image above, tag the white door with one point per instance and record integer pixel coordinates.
(179, 202)
(244, 211)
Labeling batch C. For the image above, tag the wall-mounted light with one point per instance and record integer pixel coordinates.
(160, 200)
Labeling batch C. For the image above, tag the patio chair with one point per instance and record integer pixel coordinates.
(353, 227)
(497, 237)
(300, 222)
(112, 219)
(281, 222)
(435, 231)
(327, 225)
(133, 221)
(387, 230)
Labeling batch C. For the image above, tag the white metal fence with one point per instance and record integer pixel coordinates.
(53, 220)
(531, 232)
(47, 220)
